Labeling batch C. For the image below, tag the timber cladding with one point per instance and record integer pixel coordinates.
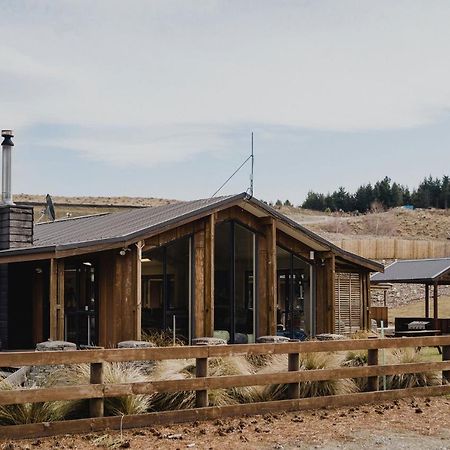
(97, 390)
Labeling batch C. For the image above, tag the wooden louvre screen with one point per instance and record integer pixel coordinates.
(348, 303)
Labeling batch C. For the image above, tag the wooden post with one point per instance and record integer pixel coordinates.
(201, 370)
(445, 357)
(272, 276)
(209, 275)
(293, 366)
(96, 405)
(427, 300)
(60, 300)
(138, 299)
(53, 299)
(372, 360)
(435, 306)
(199, 282)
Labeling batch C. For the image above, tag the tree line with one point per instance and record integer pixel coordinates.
(431, 193)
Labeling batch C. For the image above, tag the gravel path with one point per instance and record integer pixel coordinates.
(415, 424)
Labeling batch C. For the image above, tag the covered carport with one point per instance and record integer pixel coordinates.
(429, 272)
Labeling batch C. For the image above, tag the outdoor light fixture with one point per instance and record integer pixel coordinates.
(87, 263)
(146, 260)
(124, 251)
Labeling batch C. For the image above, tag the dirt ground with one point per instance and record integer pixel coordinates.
(415, 424)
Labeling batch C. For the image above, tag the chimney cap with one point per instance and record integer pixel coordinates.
(7, 133)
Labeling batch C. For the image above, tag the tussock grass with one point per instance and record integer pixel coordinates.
(357, 358)
(308, 361)
(409, 380)
(114, 373)
(32, 412)
(185, 369)
(161, 338)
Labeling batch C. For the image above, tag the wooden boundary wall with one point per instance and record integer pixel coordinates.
(394, 248)
(97, 391)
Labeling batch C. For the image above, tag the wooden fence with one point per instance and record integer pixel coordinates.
(97, 391)
(393, 248)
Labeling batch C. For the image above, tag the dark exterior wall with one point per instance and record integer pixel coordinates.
(3, 306)
(16, 230)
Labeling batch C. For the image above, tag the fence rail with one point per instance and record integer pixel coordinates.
(97, 390)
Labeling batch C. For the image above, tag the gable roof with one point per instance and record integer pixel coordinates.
(414, 271)
(121, 228)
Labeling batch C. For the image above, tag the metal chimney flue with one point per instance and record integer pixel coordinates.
(7, 146)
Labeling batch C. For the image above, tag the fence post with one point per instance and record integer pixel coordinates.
(96, 405)
(293, 366)
(201, 371)
(372, 360)
(445, 357)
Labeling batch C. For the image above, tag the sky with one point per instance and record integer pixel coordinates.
(159, 98)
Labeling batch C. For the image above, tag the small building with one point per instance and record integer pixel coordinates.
(229, 266)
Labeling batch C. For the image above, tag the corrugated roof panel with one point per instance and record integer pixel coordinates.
(115, 225)
(413, 270)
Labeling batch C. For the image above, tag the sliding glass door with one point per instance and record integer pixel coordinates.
(166, 289)
(234, 295)
(80, 302)
(294, 306)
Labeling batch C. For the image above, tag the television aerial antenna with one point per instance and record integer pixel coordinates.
(249, 190)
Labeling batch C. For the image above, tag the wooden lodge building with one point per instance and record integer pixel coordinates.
(231, 267)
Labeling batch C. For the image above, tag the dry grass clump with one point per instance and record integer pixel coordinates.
(357, 358)
(184, 369)
(308, 361)
(32, 412)
(409, 380)
(161, 338)
(362, 334)
(114, 373)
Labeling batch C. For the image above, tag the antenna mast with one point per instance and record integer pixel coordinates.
(249, 191)
(252, 156)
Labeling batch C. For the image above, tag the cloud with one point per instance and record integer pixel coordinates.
(180, 76)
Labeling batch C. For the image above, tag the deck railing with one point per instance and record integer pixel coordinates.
(97, 390)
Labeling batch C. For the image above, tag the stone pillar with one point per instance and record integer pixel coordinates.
(208, 341)
(38, 375)
(272, 339)
(146, 367)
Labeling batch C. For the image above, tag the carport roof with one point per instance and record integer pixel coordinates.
(426, 271)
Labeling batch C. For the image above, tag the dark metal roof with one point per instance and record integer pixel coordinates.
(122, 227)
(414, 271)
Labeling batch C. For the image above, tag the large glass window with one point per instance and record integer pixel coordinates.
(166, 289)
(294, 295)
(80, 302)
(234, 296)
